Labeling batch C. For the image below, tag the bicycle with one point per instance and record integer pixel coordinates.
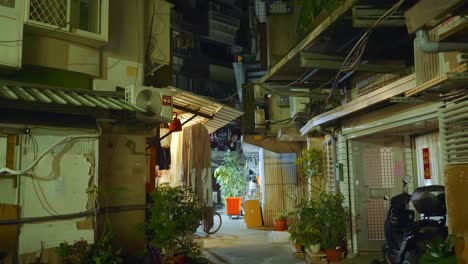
(211, 228)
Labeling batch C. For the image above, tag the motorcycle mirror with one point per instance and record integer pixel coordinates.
(406, 179)
(386, 197)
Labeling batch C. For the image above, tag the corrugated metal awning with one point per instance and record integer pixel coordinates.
(384, 93)
(64, 97)
(212, 114)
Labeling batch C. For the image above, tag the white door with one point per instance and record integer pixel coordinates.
(428, 160)
(378, 167)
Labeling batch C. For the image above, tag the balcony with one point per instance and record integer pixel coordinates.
(222, 27)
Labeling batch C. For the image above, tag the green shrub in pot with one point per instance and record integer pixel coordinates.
(174, 216)
(232, 175)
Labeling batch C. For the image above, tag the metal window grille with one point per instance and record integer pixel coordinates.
(52, 12)
(379, 167)
(376, 210)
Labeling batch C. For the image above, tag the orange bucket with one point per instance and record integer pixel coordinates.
(233, 205)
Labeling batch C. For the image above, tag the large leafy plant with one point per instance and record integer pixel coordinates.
(174, 216)
(440, 251)
(333, 218)
(231, 175)
(311, 166)
(306, 229)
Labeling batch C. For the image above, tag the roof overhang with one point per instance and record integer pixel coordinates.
(63, 99)
(382, 94)
(195, 109)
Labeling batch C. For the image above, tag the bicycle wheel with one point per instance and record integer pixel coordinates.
(217, 221)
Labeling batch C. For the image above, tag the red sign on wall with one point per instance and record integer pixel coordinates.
(427, 164)
(167, 100)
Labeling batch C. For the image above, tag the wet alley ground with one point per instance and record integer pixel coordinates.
(235, 243)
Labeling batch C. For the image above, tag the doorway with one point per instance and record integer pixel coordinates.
(378, 169)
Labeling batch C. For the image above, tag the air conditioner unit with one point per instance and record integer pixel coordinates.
(156, 101)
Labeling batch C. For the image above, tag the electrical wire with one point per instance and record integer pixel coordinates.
(43, 154)
(50, 210)
(360, 48)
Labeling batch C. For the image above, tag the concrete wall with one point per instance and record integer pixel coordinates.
(123, 173)
(123, 57)
(276, 113)
(58, 185)
(61, 54)
(281, 33)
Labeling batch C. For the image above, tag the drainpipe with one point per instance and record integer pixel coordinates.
(426, 45)
(333, 140)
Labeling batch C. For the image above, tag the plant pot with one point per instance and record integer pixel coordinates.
(233, 205)
(333, 255)
(296, 247)
(315, 248)
(280, 224)
(181, 259)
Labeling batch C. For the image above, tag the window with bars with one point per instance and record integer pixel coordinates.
(50, 12)
(74, 15)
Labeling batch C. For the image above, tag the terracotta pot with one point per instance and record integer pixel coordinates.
(280, 224)
(333, 255)
(180, 259)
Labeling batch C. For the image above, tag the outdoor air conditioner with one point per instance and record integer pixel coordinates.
(156, 101)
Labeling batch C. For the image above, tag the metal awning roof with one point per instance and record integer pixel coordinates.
(384, 93)
(212, 114)
(65, 97)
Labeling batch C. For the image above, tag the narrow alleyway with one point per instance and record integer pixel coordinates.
(235, 243)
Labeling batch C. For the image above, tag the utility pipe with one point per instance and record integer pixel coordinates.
(113, 209)
(428, 46)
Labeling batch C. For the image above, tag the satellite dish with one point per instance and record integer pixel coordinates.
(150, 101)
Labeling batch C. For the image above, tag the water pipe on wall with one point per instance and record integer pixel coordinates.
(428, 46)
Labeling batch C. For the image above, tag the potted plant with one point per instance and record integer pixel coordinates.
(440, 251)
(231, 176)
(333, 218)
(306, 229)
(280, 222)
(174, 216)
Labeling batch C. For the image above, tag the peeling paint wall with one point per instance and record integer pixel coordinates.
(58, 185)
(123, 171)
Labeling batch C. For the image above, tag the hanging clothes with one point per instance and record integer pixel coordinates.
(197, 162)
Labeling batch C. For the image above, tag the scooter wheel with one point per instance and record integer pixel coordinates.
(410, 257)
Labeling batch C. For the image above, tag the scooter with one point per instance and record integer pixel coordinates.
(406, 238)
